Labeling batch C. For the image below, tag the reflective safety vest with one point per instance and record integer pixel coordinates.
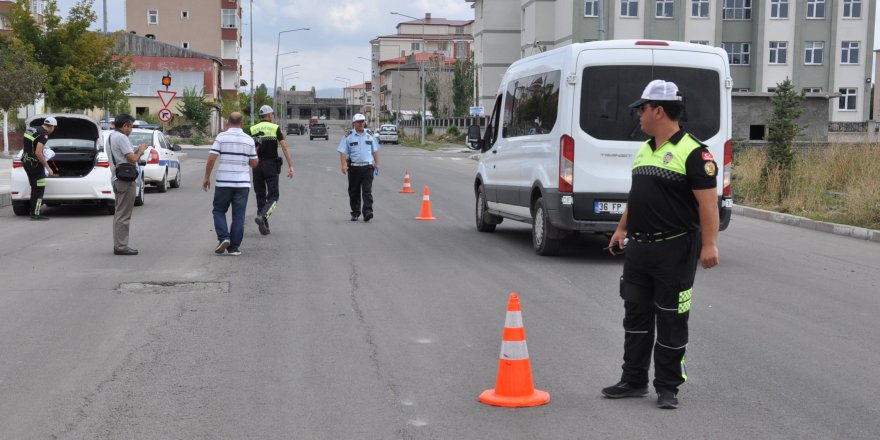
(29, 149)
(671, 157)
(264, 134)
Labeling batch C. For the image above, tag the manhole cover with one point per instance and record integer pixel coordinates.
(174, 287)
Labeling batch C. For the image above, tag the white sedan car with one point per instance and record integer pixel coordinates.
(82, 171)
(163, 164)
(388, 133)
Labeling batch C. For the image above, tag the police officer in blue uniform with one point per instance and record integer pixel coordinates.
(359, 159)
(669, 226)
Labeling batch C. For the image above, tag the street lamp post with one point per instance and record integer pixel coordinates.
(421, 75)
(252, 61)
(277, 54)
(348, 83)
(374, 98)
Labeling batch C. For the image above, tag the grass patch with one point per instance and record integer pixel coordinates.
(835, 184)
(432, 142)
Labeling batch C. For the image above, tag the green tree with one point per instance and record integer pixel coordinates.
(432, 93)
(462, 86)
(195, 108)
(788, 105)
(20, 81)
(82, 72)
(261, 97)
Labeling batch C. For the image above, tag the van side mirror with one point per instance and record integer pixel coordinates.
(473, 137)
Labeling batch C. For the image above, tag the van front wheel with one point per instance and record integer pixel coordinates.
(543, 233)
(485, 222)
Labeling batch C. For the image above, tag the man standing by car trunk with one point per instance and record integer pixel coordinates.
(34, 163)
(268, 137)
(121, 150)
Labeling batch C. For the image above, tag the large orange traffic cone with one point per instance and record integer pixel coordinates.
(514, 386)
(426, 206)
(407, 184)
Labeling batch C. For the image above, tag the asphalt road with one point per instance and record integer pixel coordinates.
(328, 329)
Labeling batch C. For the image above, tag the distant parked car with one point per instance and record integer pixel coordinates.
(105, 123)
(318, 131)
(139, 183)
(294, 128)
(138, 123)
(388, 133)
(163, 165)
(82, 171)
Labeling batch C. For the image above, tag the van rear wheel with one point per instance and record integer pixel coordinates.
(543, 233)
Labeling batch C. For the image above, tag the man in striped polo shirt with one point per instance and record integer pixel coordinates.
(236, 152)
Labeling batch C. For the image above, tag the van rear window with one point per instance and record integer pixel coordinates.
(609, 90)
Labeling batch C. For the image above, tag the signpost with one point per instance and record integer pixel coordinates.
(165, 115)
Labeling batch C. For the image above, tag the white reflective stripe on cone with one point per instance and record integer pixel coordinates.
(425, 198)
(514, 351)
(513, 320)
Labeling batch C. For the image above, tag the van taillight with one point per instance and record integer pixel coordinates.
(728, 166)
(566, 164)
(154, 156)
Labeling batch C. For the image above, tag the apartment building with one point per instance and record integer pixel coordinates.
(37, 7)
(824, 46)
(211, 27)
(432, 38)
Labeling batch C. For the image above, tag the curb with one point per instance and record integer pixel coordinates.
(803, 222)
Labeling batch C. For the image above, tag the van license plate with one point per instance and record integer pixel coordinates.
(605, 207)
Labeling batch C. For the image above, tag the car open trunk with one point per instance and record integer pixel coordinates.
(74, 142)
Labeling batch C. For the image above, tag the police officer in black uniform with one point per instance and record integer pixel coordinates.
(268, 137)
(34, 163)
(670, 223)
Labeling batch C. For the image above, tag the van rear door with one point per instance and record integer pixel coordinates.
(607, 132)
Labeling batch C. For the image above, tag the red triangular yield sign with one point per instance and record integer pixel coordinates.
(166, 97)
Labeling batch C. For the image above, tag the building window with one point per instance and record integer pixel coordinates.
(816, 9)
(812, 90)
(771, 89)
(847, 100)
(778, 8)
(442, 46)
(184, 15)
(742, 90)
(778, 52)
(184, 44)
(665, 9)
(700, 8)
(813, 52)
(849, 52)
(629, 8)
(228, 18)
(737, 53)
(703, 42)
(591, 8)
(3, 24)
(416, 47)
(852, 8)
(737, 10)
(462, 51)
(152, 17)
(459, 30)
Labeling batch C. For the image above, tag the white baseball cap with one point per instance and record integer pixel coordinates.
(358, 117)
(50, 121)
(658, 90)
(266, 109)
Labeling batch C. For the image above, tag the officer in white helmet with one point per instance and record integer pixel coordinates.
(268, 136)
(359, 159)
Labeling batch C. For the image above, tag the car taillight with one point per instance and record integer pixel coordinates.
(16, 164)
(566, 164)
(728, 166)
(154, 157)
(104, 163)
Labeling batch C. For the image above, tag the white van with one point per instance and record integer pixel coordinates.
(558, 148)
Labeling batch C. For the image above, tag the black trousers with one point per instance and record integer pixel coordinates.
(656, 286)
(360, 182)
(266, 184)
(37, 179)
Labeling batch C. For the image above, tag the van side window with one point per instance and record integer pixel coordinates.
(608, 90)
(532, 104)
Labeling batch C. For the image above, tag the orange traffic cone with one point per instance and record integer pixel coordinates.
(407, 184)
(426, 207)
(514, 386)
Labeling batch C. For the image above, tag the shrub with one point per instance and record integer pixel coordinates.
(452, 130)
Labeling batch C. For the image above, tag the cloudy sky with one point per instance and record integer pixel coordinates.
(340, 32)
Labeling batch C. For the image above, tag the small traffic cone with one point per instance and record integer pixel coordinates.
(407, 184)
(426, 207)
(514, 386)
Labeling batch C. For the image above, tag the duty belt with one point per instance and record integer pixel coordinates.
(361, 164)
(654, 237)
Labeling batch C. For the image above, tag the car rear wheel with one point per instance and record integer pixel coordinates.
(20, 208)
(543, 233)
(176, 182)
(163, 185)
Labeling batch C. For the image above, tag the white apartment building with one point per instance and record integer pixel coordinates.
(824, 46)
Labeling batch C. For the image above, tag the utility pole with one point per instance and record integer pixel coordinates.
(105, 16)
(252, 61)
